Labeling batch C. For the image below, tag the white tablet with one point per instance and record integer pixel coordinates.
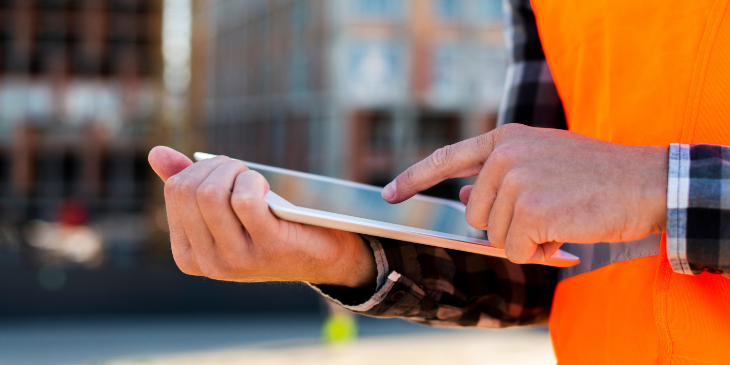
(354, 207)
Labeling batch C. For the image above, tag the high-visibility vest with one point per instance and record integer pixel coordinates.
(641, 72)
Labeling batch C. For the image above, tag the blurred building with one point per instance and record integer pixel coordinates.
(85, 91)
(358, 89)
(79, 88)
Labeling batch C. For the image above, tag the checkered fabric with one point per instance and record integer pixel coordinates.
(443, 287)
(698, 209)
(530, 96)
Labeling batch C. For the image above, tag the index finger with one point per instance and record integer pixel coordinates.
(462, 159)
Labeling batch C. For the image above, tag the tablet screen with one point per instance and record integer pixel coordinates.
(364, 201)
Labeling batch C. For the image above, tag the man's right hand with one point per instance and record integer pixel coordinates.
(537, 188)
(221, 227)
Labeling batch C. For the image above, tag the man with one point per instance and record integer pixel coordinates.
(646, 76)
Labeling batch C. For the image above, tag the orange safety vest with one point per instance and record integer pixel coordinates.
(649, 72)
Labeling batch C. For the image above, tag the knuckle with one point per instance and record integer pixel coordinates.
(441, 158)
(500, 157)
(186, 187)
(187, 267)
(224, 271)
(260, 179)
(210, 192)
(484, 143)
(231, 164)
(215, 271)
(517, 259)
(238, 164)
(243, 199)
(515, 179)
(171, 183)
(185, 263)
(510, 128)
(234, 265)
(529, 207)
(522, 210)
(538, 256)
(494, 240)
(253, 178)
(525, 213)
(217, 159)
(475, 220)
(514, 255)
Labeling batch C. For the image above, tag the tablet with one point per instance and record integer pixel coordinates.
(354, 207)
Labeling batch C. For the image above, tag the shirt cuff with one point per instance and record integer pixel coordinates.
(677, 204)
(393, 296)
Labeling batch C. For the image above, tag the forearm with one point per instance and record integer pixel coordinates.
(354, 266)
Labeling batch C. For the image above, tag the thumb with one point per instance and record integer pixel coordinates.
(247, 200)
(167, 162)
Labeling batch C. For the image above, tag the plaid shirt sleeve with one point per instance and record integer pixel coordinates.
(443, 287)
(530, 96)
(698, 209)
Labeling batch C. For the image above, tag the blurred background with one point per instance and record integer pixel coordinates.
(356, 89)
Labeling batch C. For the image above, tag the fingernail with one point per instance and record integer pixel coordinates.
(388, 192)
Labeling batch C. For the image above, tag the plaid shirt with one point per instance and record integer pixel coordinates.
(698, 209)
(443, 287)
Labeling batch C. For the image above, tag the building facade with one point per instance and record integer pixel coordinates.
(80, 85)
(358, 89)
(87, 87)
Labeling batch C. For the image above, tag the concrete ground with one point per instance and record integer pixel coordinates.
(258, 340)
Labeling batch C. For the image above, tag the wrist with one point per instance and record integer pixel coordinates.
(353, 265)
(655, 187)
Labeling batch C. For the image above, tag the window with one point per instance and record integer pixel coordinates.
(380, 129)
(448, 9)
(298, 72)
(378, 8)
(13, 99)
(490, 9)
(448, 72)
(375, 71)
(299, 16)
(491, 74)
(437, 129)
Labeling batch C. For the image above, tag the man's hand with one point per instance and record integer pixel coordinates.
(221, 227)
(538, 188)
